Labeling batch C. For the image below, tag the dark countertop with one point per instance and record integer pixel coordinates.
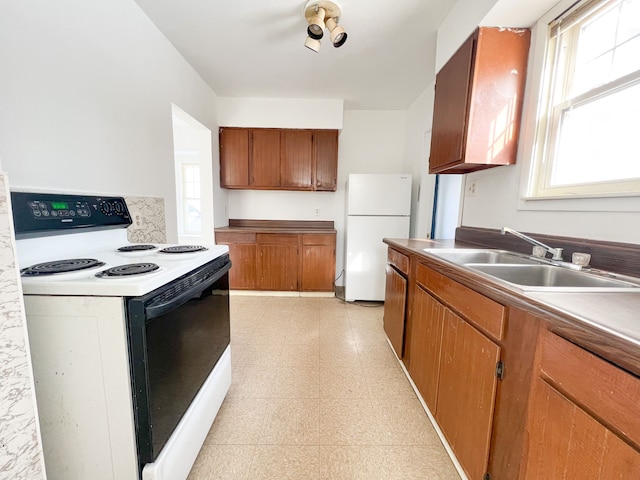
(291, 230)
(608, 324)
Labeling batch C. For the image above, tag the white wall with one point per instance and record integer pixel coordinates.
(416, 161)
(280, 113)
(86, 95)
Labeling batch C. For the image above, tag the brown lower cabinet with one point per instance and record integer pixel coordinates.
(281, 261)
(277, 261)
(583, 420)
(513, 399)
(453, 365)
(395, 297)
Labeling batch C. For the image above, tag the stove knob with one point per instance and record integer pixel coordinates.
(106, 208)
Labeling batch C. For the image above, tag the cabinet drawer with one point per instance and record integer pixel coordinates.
(276, 239)
(606, 391)
(233, 237)
(483, 312)
(318, 239)
(398, 260)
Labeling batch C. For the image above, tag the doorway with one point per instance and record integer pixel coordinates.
(193, 178)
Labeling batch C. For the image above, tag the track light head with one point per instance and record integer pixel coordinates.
(316, 24)
(337, 33)
(312, 44)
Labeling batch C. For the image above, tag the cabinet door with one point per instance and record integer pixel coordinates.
(277, 262)
(242, 275)
(395, 300)
(466, 392)
(242, 251)
(326, 146)
(234, 157)
(426, 342)
(265, 158)
(567, 443)
(450, 108)
(318, 268)
(297, 156)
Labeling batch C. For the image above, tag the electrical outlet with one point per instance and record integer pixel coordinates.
(472, 188)
(137, 218)
(316, 212)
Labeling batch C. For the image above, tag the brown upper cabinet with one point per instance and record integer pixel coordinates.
(478, 102)
(278, 159)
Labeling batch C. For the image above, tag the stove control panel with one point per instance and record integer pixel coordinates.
(39, 214)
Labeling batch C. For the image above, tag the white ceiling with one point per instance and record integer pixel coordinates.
(252, 48)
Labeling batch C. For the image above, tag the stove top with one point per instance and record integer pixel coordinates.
(77, 245)
(116, 273)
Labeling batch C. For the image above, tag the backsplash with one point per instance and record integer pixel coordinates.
(148, 217)
(20, 450)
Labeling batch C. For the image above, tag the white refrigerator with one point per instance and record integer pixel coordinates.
(378, 206)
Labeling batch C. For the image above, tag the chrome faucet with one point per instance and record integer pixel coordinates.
(556, 252)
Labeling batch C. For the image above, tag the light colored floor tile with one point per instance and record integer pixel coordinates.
(406, 422)
(252, 381)
(419, 463)
(239, 422)
(291, 421)
(350, 421)
(387, 382)
(317, 393)
(285, 462)
(223, 462)
(343, 382)
(377, 356)
(296, 382)
(353, 463)
(305, 354)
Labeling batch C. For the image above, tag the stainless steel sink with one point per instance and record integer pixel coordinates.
(553, 278)
(463, 256)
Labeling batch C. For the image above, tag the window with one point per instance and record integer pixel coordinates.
(189, 201)
(588, 138)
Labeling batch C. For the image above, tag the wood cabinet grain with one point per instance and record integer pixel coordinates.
(395, 301)
(453, 363)
(326, 160)
(297, 159)
(281, 261)
(242, 252)
(425, 345)
(478, 102)
(466, 392)
(278, 159)
(277, 266)
(318, 262)
(583, 420)
(234, 157)
(264, 158)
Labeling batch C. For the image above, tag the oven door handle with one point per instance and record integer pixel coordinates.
(153, 311)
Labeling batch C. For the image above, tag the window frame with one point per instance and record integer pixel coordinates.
(547, 115)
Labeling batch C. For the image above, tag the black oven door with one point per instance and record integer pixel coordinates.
(177, 333)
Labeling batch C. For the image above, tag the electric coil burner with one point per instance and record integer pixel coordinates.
(130, 365)
(128, 270)
(61, 266)
(137, 248)
(183, 249)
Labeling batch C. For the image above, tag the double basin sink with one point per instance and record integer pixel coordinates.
(533, 274)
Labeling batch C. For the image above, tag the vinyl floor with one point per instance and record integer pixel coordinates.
(317, 393)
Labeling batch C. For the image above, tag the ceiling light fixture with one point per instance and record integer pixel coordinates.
(321, 14)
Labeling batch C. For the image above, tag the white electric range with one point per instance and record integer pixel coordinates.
(129, 343)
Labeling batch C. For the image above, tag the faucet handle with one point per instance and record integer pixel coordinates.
(538, 251)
